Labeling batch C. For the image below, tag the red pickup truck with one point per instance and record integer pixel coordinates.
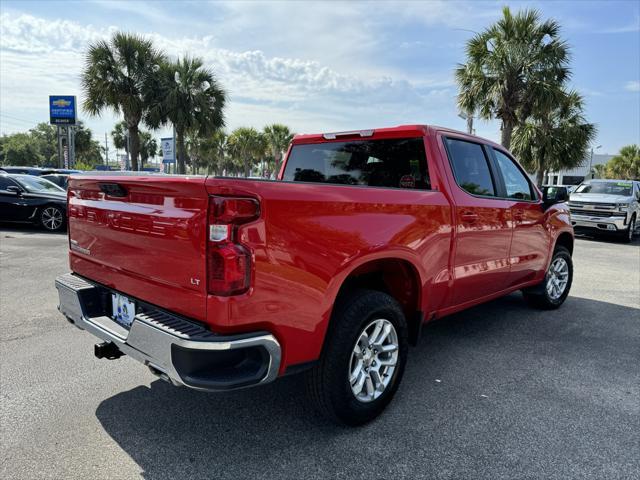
(332, 269)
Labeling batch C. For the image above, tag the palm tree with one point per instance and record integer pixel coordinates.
(246, 146)
(121, 74)
(192, 100)
(625, 165)
(278, 137)
(555, 139)
(514, 67)
(216, 147)
(600, 171)
(147, 145)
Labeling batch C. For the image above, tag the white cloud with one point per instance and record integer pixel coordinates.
(40, 57)
(631, 27)
(632, 86)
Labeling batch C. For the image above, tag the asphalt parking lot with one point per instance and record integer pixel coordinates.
(499, 391)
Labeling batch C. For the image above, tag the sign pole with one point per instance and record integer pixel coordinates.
(71, 142)
(59, 138)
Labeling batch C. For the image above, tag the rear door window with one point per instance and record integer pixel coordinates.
(393, 163)
(470, 167)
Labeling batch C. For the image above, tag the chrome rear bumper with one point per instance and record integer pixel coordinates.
(175, 349)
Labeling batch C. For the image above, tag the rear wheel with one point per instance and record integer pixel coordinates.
(52, 218)
(554, 289)
(363, 359)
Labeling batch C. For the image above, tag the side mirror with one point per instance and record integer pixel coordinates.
(552, 195)
(14, 189)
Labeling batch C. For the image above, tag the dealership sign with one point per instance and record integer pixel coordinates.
(62, 109)
(168, 150)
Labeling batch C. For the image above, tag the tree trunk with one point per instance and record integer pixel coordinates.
(247, 168)
(542, 166)
(182, 153)
(278, 162)
(134, 146)
(507, 130)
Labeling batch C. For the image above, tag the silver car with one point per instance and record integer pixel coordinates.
(607, 205)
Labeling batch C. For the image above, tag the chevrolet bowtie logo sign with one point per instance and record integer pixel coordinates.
(62, 109)
(61, 102)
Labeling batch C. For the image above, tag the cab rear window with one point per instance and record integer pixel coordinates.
(393, 163)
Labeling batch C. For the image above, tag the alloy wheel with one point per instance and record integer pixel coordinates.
(373, 360)
(557, 278)
(51, 218)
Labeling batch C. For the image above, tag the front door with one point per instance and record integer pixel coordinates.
(11, 204)
(530, 244)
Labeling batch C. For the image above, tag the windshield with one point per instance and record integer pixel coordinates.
(37, 185)
(610, 188)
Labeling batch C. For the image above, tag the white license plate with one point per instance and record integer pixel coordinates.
(124, 310)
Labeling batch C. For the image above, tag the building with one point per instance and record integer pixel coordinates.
(576, 175)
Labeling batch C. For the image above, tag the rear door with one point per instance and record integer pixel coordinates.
(530, 243)
(483, 223)
(143, 236)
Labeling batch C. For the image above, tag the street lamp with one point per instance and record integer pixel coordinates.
(469, 118)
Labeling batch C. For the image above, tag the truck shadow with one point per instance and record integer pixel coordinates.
(607, 238)
(496, 382)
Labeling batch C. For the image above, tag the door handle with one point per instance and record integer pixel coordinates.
(468, 217)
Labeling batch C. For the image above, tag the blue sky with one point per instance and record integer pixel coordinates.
(318, 66)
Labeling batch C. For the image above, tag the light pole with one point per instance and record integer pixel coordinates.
(591, 160)
(469, 118)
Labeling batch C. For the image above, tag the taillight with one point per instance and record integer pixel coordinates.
(233, 210)
(229, 262)
(229, 269)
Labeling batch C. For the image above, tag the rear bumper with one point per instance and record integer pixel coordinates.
(611, 224)
(175, 349)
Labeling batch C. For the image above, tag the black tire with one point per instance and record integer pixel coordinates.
(626, 236)
(52, 218)
(328, 382)
(538, 296)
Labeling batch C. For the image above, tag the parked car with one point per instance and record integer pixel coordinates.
(31, 199)
(37, 171)
(223, 283)
(60, 179)
(611, 206)
(26, 170)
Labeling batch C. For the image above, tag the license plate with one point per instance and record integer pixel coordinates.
(124, 310)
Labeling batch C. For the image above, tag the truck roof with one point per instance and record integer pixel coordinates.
(384, 132)
(609, 180)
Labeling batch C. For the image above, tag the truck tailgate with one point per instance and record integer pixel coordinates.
(142, 235)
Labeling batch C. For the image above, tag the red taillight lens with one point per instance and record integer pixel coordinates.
(233, 210)
(229, 263)
(229, 269)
